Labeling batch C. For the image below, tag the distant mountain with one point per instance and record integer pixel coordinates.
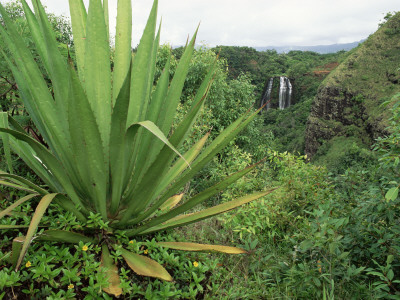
(322, 49)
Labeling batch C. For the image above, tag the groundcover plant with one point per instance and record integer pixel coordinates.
(106, 154)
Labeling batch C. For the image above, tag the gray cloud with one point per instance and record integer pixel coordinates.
(257, 22)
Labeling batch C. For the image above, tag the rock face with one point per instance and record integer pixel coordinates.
(348, 102)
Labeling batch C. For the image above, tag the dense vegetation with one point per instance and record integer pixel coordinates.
(347, 112)
(306, 71)
(322, 234)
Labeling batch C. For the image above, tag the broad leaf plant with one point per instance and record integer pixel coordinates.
(109, 149)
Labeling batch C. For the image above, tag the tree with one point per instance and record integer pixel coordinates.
(9, 93)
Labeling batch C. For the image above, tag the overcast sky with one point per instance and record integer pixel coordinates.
(256, 22)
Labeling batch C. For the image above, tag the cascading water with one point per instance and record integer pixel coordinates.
(289, 98)
(285, 92)
(282, 92)
(267, 95)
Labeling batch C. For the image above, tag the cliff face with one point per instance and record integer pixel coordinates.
(347, 103)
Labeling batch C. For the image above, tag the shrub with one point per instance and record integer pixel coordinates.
(106, 158)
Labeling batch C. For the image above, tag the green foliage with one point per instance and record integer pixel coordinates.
(394, 28)
(260, 66)
(106, 158)
(288, 126)
(54, 272)
(319, 235)
(9, 93)
(342, 153)
(368, 77)
(388, 147)
(325, 233)
(306, 71)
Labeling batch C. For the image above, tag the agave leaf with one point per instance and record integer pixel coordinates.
(28, 76)
(206, 156)
(31, 79)
(87, 145)
(123, 37)
(16, 249)
(15, 125)
(145, 266)
(16, 204)
(56, 62)
(175, 89)
(40, 210)
(197, 199)
(177, 138)
(98, 71)
(6, 142)
(23, 181)
(50, 161)
(159, 94)
(207, 213)
(180, 165)
(145, 189)
(106, 17)
(201, 247)
(180, 133)
(184, 127)
(29, 103)
(151, 127)
(68, 205)
(152, 173)
(171, 202)
(156, 104)
(141, 69)
(222, 140)
(36, 34)
(118, 159)
(36, 96)
(13, 226)
(78, 21)
(172, 174)
(141, 85)
(64, 236)
(111, 269)
(30, 158)
(146, 140)
(16, 186)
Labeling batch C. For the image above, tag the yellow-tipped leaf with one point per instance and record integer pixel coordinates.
(145, 266)
(202, 247)
(107, 264)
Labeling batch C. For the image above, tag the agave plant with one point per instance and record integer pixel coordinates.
(110, 149)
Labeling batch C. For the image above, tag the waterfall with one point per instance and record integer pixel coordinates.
(267, 95)
(289, 99)
(285, 92)
(282, 92)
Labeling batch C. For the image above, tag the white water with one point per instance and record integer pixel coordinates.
(289, 98)
(285, 92)
(267, 95)
(282, 92)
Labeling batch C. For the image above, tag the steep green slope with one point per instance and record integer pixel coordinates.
(347, 110)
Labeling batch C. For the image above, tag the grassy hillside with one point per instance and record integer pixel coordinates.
(347, 107)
